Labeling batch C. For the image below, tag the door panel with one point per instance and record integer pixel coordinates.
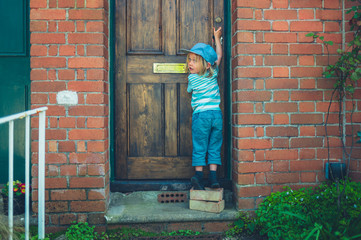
(14, 81)
(153, 115)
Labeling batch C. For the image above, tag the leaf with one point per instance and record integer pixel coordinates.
(322, 37)
(310, 34)
(355, 76)
(339, 51)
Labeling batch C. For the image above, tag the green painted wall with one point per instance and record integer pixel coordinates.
(14, 79)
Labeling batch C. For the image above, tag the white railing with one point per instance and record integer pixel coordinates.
(41, 169)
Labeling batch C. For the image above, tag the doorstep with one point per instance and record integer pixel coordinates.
(143, 207)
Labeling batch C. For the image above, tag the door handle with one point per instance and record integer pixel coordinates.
(218, 19)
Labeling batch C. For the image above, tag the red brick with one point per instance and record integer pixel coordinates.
(281, 166)
(254, 167)
(38, 26)
(67, 50)
(47, 14)
(281, 107)
(253, 3)
(281, 72)
(307, 154)
(253, 119)
(38, 50)
(87, 134)
(280, 49)
(97, 146)
(86, 14)
(286, 154)
(246, 48)
(307, 131)
(85, 38)
(87, 206)
(86, 86)
(38, 4)
(331, 4)
(96, 169)
(303, 49)
(306, 3)
(246, 203)
(86, 158)
(47, 38)
(308, 177)
(281, 143)
(281, 119)
(306, 142)
(242, 108)
(306, 165)
(66, 4)
(87, 111)
(306, 14)
(253, 143)
(303, 26)
(245, 179)
(282, 177)
(306, 95)
(281, 131)
(280, 60)
(66, 26)
(281, 96)
(253, 96)
(280, 26)
(86, 62)
(95, 50)
(329, 15)
(98, 122)
(39, 98)
(280, 3)
(216, 226)
(306, 119)
(63, 195)
(95, 27)
(96, 74)
(280, 14)
(307, 83)
(95, 98)
(306, 72)
(66, 146)
(52, 183)
(48, 62)
(86, 182)
(97, 194)
(254, 191)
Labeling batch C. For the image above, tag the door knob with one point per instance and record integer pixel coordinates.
(218, 20)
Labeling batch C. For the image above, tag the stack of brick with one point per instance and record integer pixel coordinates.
(209, 200)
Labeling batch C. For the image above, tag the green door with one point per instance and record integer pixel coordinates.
(14, 80)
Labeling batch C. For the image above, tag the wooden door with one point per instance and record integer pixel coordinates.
(153, 115)
(14, 81)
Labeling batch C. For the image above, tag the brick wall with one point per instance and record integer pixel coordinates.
(69, 52)
(280, 98)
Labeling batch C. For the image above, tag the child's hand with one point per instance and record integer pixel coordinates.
(217, 34)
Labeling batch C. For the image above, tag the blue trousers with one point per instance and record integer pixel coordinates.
(207, 137)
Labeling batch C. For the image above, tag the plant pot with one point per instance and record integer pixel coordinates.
(335, 171)
(18, 204)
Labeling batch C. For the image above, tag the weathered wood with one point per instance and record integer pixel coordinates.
(204, 206)
(160, 167)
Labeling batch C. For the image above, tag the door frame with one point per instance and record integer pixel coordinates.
(170, 185)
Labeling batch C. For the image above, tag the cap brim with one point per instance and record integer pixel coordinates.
(186, 51)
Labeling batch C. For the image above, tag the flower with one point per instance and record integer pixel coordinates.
(18, 189)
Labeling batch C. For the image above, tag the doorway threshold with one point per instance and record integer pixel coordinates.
(144, 207)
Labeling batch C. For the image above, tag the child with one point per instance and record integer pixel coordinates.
(207, 123)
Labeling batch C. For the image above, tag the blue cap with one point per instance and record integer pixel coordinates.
(204, 50)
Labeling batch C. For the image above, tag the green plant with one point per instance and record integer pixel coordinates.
(80, 231)
(312, 213)
(244, 225)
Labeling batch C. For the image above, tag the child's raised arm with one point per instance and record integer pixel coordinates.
(217, 37)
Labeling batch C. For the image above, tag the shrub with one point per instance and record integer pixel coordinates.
(300, 214)
(80, 231)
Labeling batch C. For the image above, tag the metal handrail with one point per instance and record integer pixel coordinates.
(41, 175)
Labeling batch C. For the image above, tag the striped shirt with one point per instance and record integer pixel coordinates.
(205, 94)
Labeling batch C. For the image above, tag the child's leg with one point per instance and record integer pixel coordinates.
(214, 149)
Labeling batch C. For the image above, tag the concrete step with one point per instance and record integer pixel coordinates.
(138, 209)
